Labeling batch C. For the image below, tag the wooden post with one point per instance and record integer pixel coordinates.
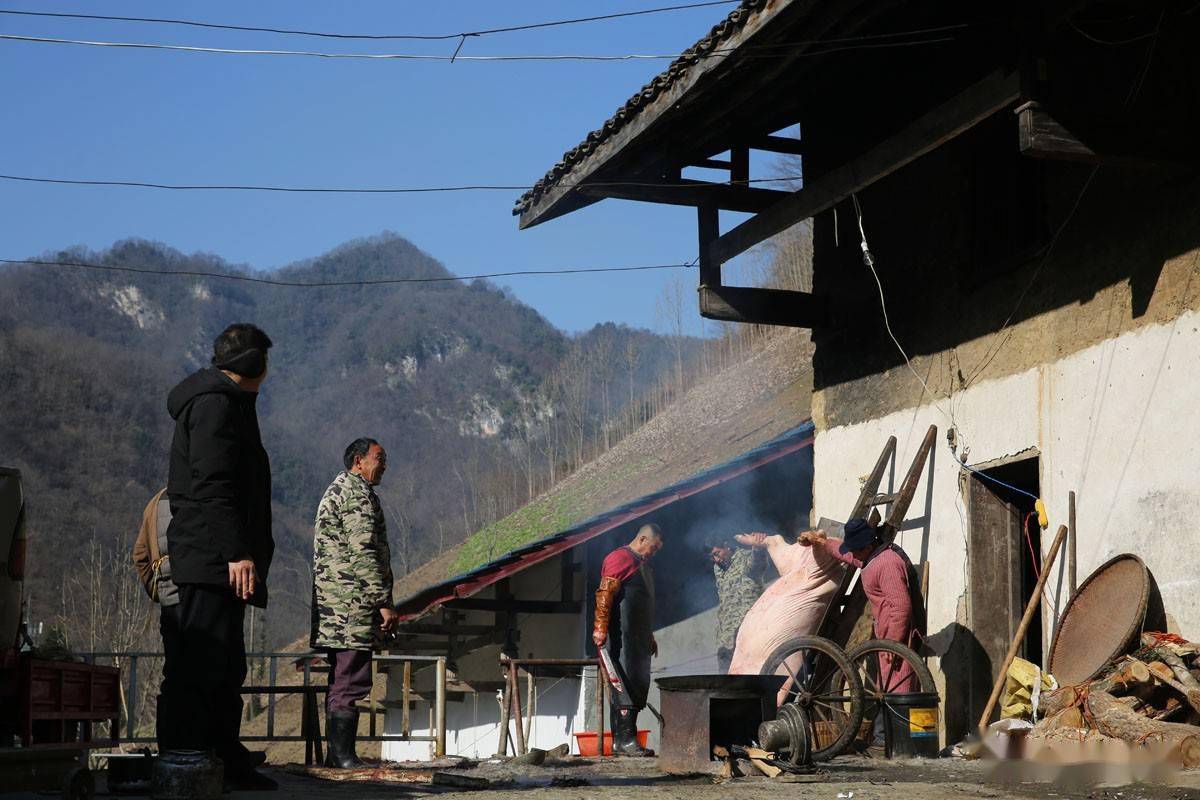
(505, 708)
(708, 225)
(529, 689)
(515, 695)
(600, 684)
(439, 708)
(1030, 608)
(405, 696)
(1074, 538)
(372, 697)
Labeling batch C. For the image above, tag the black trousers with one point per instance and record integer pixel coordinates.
(200, 704)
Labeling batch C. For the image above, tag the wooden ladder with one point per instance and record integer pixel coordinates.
(848, 618)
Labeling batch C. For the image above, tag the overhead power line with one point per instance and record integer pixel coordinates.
(369, 36)
(781, 50)
(366, 190)
(316, 284)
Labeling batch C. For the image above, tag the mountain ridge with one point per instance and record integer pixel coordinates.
(463, 384)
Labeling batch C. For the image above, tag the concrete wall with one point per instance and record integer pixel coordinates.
(1116, 422)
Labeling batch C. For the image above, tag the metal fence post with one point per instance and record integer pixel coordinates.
(131, 701)
(271, 677)
(440, 709)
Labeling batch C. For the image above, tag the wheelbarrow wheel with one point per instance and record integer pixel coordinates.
(78, 784)
(822, 680)
(878, 680)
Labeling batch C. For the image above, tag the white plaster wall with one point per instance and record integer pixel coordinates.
(1118, 423)
(473, 724)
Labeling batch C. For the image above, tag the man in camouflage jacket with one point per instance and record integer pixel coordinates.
(739, 576)
(352, 590)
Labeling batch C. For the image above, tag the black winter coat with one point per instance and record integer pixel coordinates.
(219, 483)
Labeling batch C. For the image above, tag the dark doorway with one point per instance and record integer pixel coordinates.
(1004, 553)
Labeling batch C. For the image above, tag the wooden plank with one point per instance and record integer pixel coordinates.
(1042, 136)
(739, 164)
(926, 133)
(685, 192)
(1072, 585)
(708, 228)
(1088, 140)
(513, 606)
(423, 629)
(762, 306)
(778, 144)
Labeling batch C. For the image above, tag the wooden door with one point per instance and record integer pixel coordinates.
(994, 586)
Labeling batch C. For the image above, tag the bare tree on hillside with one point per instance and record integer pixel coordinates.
(670, 310)
(603, 367)
(574, 377)
(632, 357)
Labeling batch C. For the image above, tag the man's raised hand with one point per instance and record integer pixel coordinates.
(811, 537)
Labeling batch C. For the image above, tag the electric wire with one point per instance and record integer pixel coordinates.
(1130, 98)
(744, 51)
(367, 36)
(381, 190)
(869, 261)
(315, 284)
(1111, 43)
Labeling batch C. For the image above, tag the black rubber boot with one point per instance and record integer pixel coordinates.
(625, 741)
(341, 729)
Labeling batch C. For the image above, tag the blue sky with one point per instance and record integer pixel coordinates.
(96, 113)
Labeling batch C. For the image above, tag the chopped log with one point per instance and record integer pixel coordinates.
(1173, 705)
(1167, 675)
(1058, 701)
(1161, 671)
(1180, 670)
(1134, 672)
(1116, 720)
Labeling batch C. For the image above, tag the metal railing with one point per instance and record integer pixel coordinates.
(309, 663)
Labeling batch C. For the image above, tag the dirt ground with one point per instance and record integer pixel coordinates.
(845, 778)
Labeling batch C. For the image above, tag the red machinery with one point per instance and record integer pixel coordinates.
(48, 707)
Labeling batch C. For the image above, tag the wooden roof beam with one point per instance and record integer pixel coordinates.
(778, 144)
(762, 306)
(685, 192)
(926, 133)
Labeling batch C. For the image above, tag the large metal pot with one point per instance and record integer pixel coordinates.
(188, 775)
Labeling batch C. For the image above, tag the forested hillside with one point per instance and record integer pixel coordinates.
(481, 403)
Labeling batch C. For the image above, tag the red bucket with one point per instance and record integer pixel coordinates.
(586, 742)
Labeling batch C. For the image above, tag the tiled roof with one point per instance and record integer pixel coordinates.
(678, 69)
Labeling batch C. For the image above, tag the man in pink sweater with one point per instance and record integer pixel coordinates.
(887, 580)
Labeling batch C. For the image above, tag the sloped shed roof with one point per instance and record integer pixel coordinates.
(510, 563)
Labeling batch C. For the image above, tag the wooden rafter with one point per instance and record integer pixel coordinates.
(924, 134)
(762, 306)
(685, 192)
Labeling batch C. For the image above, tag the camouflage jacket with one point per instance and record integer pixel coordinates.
(738, 586)
(352, 566)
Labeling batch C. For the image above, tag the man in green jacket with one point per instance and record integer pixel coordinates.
(352, 590)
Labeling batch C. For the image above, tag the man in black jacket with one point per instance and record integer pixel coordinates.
(220, 549)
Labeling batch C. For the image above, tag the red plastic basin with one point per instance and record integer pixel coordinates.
(586, 742)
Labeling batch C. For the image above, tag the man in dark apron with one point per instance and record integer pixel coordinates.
(625, 622)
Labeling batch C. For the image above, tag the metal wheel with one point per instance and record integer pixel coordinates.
(875, 665)
(822, 681)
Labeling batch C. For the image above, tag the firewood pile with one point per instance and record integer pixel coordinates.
(1149, 697)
